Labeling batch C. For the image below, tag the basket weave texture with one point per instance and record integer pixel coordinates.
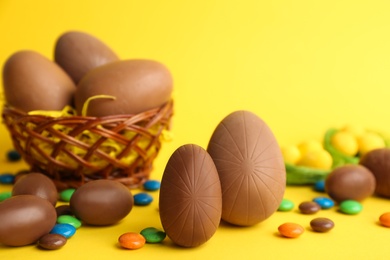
(73, 150)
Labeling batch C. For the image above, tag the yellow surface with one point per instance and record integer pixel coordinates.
(303, 66)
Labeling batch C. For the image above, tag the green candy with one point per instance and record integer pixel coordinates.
(351, 207)
(67, 219)
(286, 205)
(153, 235)
(65, 195)
(5, 195)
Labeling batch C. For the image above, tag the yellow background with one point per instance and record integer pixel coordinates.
(303, 66)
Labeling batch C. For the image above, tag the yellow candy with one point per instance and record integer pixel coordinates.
(345, 142)
(309, 146)
(319, 159)
(370, 141)
(291, 154)
(355, 130)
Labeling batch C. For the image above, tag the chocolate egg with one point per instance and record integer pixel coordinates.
(190, 197)
(101, 202)
(378, 162)
(36, 184)
(250, 166)
(350, 182)
(33, 82)
(79, 52)
(136, 85)
(24, 219)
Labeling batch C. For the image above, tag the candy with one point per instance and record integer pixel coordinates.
(65, 230)
(324, 202)
(309, 207)
(131, 240)
(142, 199)
(66, 219)
(7, 178)
(52, 241)
(65, 195)
(350, 207)
(13, 156)
(64, 210)
(286, 205)
(290, 230)
(153, 235)
(384, 219)
(5, 195)
(152, 185)
(319, 186)
(321, 224)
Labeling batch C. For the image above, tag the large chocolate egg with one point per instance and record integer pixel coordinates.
(250, 166)
(79, 52)
(378, 162)
(136, 85)
(190, 197)
(33, 82)
(101, 202)
(24, 219)
(36, 184)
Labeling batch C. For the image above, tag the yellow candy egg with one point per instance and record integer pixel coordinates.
(319, 159)
(309, 146)
(370, 141)
(291, 154)
(345, 142)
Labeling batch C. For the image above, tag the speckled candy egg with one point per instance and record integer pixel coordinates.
(250, 166)
(24, 219)
(190, 197)
(101, 202)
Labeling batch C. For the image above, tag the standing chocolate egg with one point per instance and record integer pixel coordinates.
(33, 82)
(78, 52)
(190, 197)
(135, 85)
(24, 219)
(250, 166)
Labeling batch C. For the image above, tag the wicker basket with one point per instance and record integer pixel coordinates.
(73, 150)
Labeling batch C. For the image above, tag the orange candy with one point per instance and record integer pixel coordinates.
(384, 219)
(290, 230)
(131, 240)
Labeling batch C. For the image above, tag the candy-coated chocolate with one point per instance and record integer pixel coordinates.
(66, 219)
(24, 219)
(7, 178)
(101, 202)
(142, 199)
(324, 202)
(190, 197)
(290, 230)
(131, 240)
(5, 195)
(384, 219)
(66, 195)
(36, 184)
(66, 230)
(153, 235)
(351, 207)
(52, 241)
(152, 185)
(321, 224)
(309, 207)
(13, 156)
(251, 168)
(319, 186)
(286, 205)
(64, 210)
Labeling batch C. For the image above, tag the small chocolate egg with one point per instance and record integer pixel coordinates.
(33, 82)
(251, 168)
(378, 162)
(36, 184)
(24, 219)
(190, 197)
(101, 202)
(79, 52)
(136, 85)
(350, 182)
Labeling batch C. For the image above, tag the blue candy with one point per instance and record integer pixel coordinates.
(142, 199)
(319, 186)
(65, 230)
(13, 156)
(152, 185)
(7, 178)
(324, 202)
